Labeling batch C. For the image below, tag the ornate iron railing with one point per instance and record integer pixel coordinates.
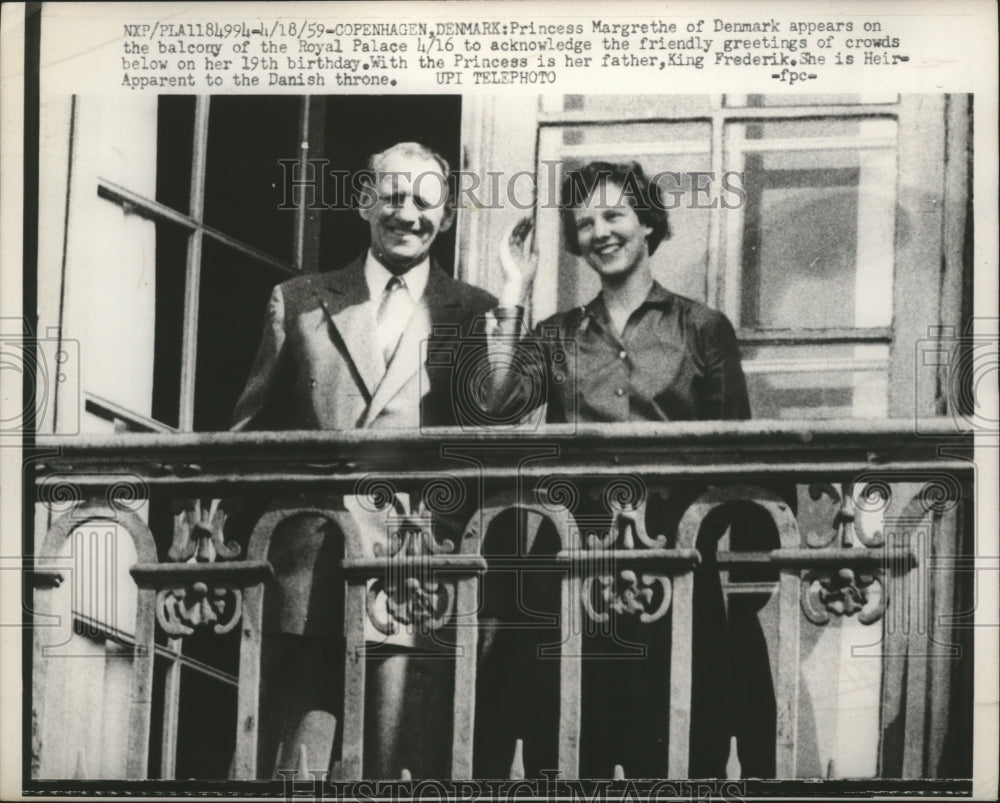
(593, 485)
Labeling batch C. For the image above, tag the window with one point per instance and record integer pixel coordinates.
(805, 264)
(230, 225)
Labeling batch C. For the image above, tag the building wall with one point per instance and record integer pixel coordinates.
(96, 294)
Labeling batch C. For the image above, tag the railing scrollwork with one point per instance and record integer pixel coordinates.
(203, 588)
(627, 591)
(412, 596)
(843, 592)
(417, 554)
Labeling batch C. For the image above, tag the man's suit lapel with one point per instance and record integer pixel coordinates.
(437, 305)
(344, 297)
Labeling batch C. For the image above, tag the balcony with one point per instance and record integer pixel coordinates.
(836, 547)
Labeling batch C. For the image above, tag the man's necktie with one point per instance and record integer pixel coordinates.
(394, 314)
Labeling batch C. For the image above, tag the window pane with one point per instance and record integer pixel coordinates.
(244, 182)
(171, 262)
(206, 726)
(640, 137)
(798, 129)
(763, 101)
(835, 381)
(175, 138)
(675, 154)
(618, 107)
(233, 301)
(813, 245)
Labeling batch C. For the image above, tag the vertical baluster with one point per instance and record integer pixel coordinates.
(517, 762)
(354, 681)
(336, 769)
(786, 687)
(466, 647)
(916, 608)
(941, 588)
(680, 675)
(171, 711)
(80, 773)
(895, 638)
(570, 675)
(248, 695)
(137, 762)
(303, 769)
(733, 768)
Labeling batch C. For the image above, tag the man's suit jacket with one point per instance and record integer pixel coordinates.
(318, 368)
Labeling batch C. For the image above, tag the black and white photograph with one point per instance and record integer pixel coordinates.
(605, 439)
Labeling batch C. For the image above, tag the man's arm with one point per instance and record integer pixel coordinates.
(258, 391)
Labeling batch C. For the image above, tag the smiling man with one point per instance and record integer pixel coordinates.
(343, 350)
(319, 365)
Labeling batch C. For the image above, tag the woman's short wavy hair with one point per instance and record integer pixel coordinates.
(644, 196)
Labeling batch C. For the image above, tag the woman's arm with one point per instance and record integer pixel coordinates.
(725, 396)
(515, 369)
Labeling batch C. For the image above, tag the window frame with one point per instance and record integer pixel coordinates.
(311, 125)
(925, 134)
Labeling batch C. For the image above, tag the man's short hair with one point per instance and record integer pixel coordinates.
(415, 149)
(644, 196)
(366, 179)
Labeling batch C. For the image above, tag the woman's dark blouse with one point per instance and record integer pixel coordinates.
(677, 360)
